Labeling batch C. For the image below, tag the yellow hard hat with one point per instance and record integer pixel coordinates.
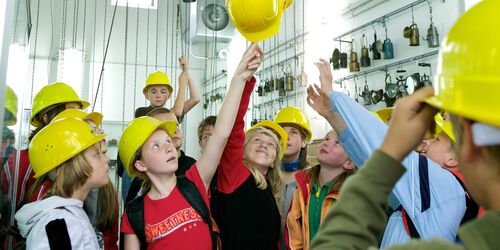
(385, 113)
(95, 117)
(11, 105)
(134, 136)
(257, 20)
(468, 79)
(277, 129)
(293, 115)
(444, 126)
(58, 142)
(157, 78)
(51, 94)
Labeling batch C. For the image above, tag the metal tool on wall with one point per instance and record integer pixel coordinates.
(426, 79)
(335, 59)
(302, 76)
(366, 94)
(412, 32)
(391, 90)
(387, 46)
(281, 85)
(354, 64)
(343, 59)
(401, 82)
(289, 79)
(432, 32)
(376, 46)
(365, 55)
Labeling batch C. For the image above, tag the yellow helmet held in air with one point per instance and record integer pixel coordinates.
(157, 78)
(294, 116)
(468, 78)
(95, 117)
(257, 20)
(58, 142)
(11, 106)
(277, 130)
(52, 94)
(134, 136)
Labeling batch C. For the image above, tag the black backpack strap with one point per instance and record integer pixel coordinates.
(472, 208)
(135, 215)
(57, 234)
(193, 197)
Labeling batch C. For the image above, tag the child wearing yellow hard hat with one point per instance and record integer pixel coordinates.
(72, 152)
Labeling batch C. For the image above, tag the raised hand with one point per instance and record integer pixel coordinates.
(183, 63)
(318, 100)
(411, 119)
(325, 76)
(250, 61)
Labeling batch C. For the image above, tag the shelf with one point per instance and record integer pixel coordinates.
(387, 66)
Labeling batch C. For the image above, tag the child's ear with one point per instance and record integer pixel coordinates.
(140, 166)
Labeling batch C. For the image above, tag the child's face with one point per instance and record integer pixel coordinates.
(331, 152)
(158, 154)
(99, 162)
(295, 142)
(440, 150)
(205, 136)
(177, 137)
(157, 95)
(260, 150)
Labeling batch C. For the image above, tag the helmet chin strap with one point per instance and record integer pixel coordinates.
(485, 135)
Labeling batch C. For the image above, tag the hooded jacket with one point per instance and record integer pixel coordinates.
(33, 217)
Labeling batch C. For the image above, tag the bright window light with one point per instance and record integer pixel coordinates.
(70, 69)
(145, 4)
(17, 67)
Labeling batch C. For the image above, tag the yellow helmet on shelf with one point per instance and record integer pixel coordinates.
(58, 142)
(295, 116)
(257, 20)
(468, 79)
(11, 106)
(277, 130)
(134, 136)
(157, 78)
(51, 94)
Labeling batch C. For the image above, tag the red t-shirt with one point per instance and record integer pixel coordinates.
(172, 223)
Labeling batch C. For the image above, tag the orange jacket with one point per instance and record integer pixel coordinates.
(297, 222)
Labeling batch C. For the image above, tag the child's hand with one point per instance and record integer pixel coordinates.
(183, 63)
(250, 62)
(325, 76)
(318, 100)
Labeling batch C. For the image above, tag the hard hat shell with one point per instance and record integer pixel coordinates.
(134, 136)
(385, 113)
(11, 105)
(468, 79)
(157, 78)
(58, 142)
(444, 126)
(51, 94)
(276, 129)
(95, 117)
(256, 20)
(295, 116)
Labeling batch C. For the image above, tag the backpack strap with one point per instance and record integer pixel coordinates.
(193, 197)
(472, 208)
(135, 215)
(57, 235)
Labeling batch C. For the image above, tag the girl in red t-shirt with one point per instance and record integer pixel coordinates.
(147, 151)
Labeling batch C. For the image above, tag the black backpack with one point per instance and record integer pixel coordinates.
(135, 211)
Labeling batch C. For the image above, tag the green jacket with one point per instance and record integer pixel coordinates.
(358, 219)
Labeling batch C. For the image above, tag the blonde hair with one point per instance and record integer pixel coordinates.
(274, 172)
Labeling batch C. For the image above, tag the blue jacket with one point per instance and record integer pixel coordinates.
(436, 209)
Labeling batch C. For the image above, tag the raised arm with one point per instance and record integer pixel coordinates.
(209, 160)
(194, 91)
(179, 103)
